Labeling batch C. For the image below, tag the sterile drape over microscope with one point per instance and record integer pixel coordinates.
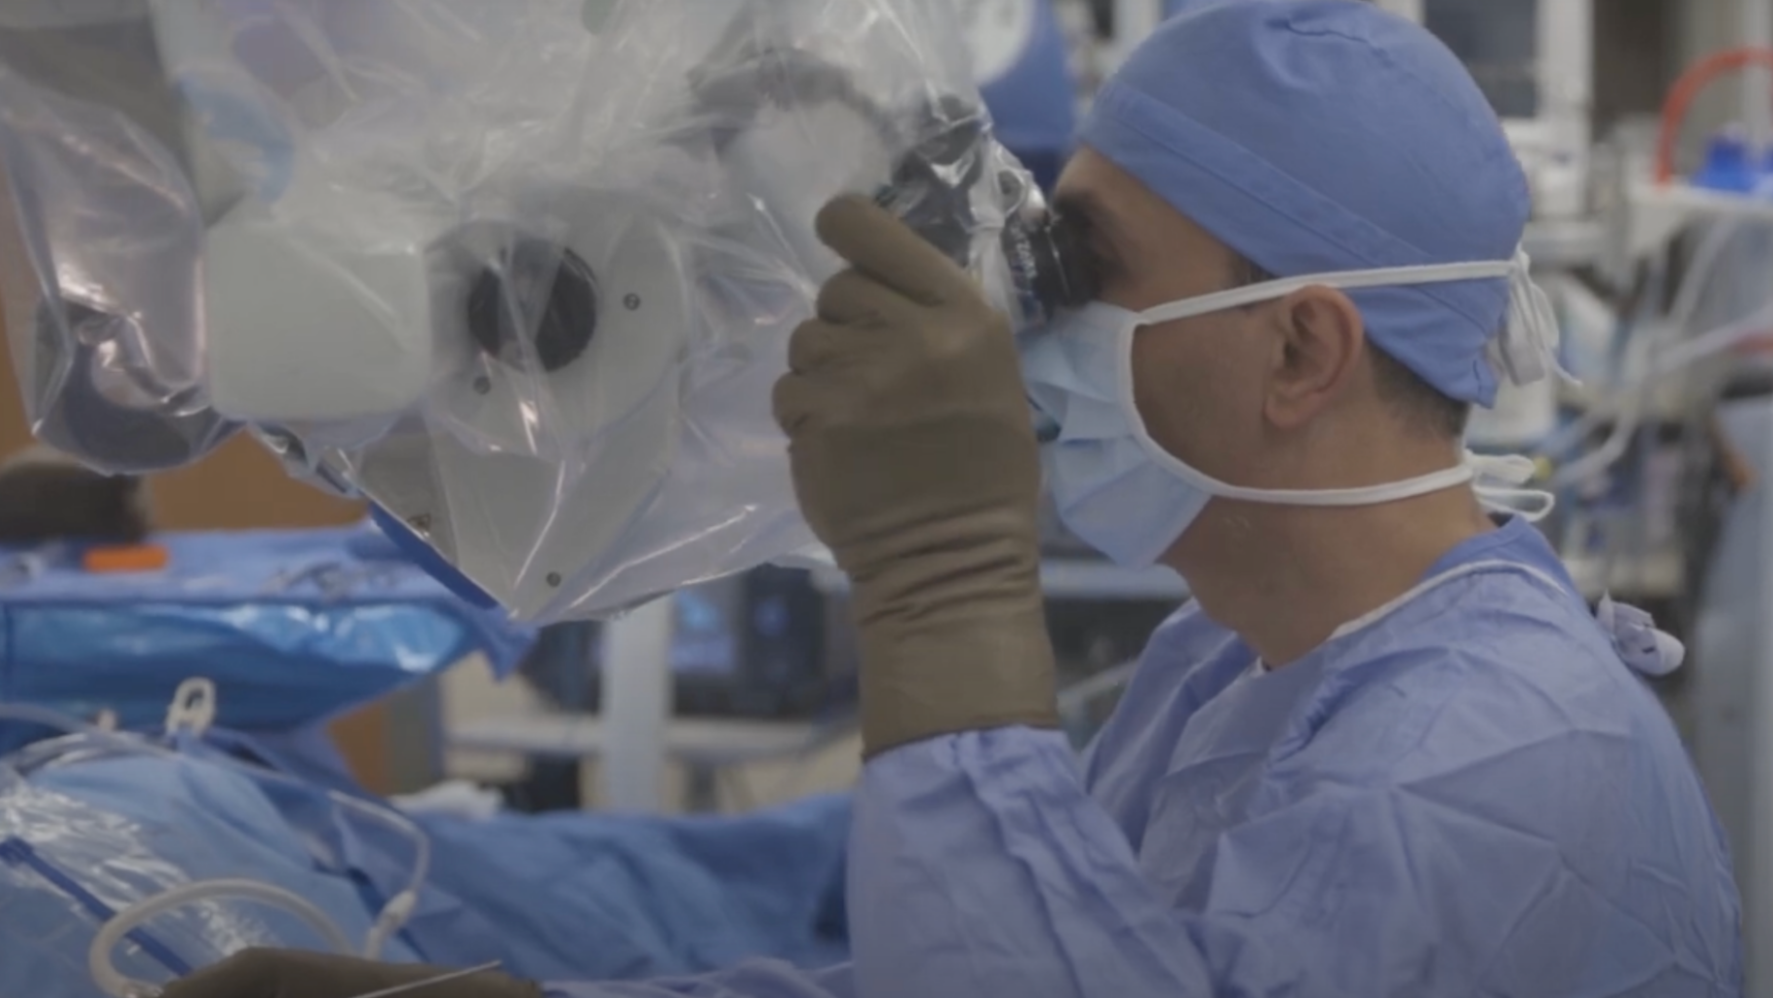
(521, 273)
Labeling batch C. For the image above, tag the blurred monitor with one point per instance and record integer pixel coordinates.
(763, 644)
(1498, 40)
(758, 645)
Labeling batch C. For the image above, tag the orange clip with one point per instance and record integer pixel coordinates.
(130, 558)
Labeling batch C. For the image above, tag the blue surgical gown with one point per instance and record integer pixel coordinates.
(1465, 793)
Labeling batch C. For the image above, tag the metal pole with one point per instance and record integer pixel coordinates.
(1756, 28)
(1757, 890)
(1134, 21)
(1411, 9)
(1757, 887)
(1565, 69)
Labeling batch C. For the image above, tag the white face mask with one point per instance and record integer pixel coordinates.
(1123, 493)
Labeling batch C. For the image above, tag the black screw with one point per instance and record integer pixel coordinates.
(482, 385)
(633, 302)
(554, 580)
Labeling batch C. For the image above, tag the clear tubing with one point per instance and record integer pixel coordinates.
(388, 921)
(1641, 367)
(98, 956)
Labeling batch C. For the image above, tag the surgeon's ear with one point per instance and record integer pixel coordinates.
(1319, 337)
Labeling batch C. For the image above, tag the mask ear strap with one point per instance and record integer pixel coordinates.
(1346, 280)
(1527, 349)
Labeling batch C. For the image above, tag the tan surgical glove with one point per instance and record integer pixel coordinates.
(915, 462)
(266, 973)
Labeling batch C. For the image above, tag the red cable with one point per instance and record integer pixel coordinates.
(1688, 88)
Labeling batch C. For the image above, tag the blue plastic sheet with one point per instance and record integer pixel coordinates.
(293, 627)
(563, 896)
(576, 896)
(1033, 98)
(80, 842)
(621, 897)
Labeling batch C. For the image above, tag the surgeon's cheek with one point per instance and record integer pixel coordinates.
(1167, 398)
(1198, 386)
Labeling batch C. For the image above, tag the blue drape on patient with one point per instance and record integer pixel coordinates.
(580, 896)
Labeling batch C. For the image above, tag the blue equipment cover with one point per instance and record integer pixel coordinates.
(1033, 100)
(292, 626)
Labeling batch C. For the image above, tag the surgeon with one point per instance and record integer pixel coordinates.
(1387, 751)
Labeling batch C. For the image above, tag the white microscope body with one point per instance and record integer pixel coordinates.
(522, 274)
(541, 357)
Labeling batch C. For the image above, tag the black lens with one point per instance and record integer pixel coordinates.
(1068, 278)
(539, 292)
(1050, 263)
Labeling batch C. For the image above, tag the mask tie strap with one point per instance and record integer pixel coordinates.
(1500, 482)
(1526, 351)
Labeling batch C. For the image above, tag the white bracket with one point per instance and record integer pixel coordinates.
(193, 708)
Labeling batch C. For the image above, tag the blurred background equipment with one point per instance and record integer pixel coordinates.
(1022, 59)
(46, 495)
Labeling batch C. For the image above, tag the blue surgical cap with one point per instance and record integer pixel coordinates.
(1314, 136)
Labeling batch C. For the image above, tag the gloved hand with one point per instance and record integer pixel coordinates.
(269, 973)
(915, 462)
